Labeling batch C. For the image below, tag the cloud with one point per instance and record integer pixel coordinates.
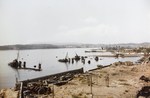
(98, 21)
(101, 33)
(91, 20)
(89, 34)
(63, 27)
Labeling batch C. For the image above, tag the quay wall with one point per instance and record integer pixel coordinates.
(76, 71)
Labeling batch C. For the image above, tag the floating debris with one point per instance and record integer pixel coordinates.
(72, 60)
(96, 58)
(89, 62)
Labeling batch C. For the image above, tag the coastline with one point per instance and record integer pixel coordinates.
(118, 79)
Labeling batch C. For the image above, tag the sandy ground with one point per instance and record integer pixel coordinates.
(120, 81)
(8, 93)
(116, 81)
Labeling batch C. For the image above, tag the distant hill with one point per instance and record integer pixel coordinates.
(30, 46)
(51, 46)
(145, 44)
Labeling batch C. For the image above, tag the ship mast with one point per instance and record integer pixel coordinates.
(66, 56)
(18, 55)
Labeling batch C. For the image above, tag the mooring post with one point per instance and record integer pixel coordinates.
(90, 74)
(91, 86)
(53, 91)
(39, 66)
(24, 64)
(21, 91)
(107, 80)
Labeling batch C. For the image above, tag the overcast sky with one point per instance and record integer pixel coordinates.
(74, 21)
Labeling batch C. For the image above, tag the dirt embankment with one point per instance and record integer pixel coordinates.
(120, 80)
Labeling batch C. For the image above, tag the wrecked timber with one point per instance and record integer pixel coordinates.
(40, 85)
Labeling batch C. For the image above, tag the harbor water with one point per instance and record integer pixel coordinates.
(50, 65)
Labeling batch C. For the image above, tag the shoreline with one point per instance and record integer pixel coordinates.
(118, 79)
(120, 55)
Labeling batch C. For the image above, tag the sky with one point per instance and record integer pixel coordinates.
(74, 21)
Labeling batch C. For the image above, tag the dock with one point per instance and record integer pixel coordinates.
(119, 55)
(76, 71)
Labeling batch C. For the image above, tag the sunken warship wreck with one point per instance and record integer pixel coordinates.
(16, 64)
(68, 60)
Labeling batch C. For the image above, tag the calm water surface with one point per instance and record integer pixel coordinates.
(49, 60)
